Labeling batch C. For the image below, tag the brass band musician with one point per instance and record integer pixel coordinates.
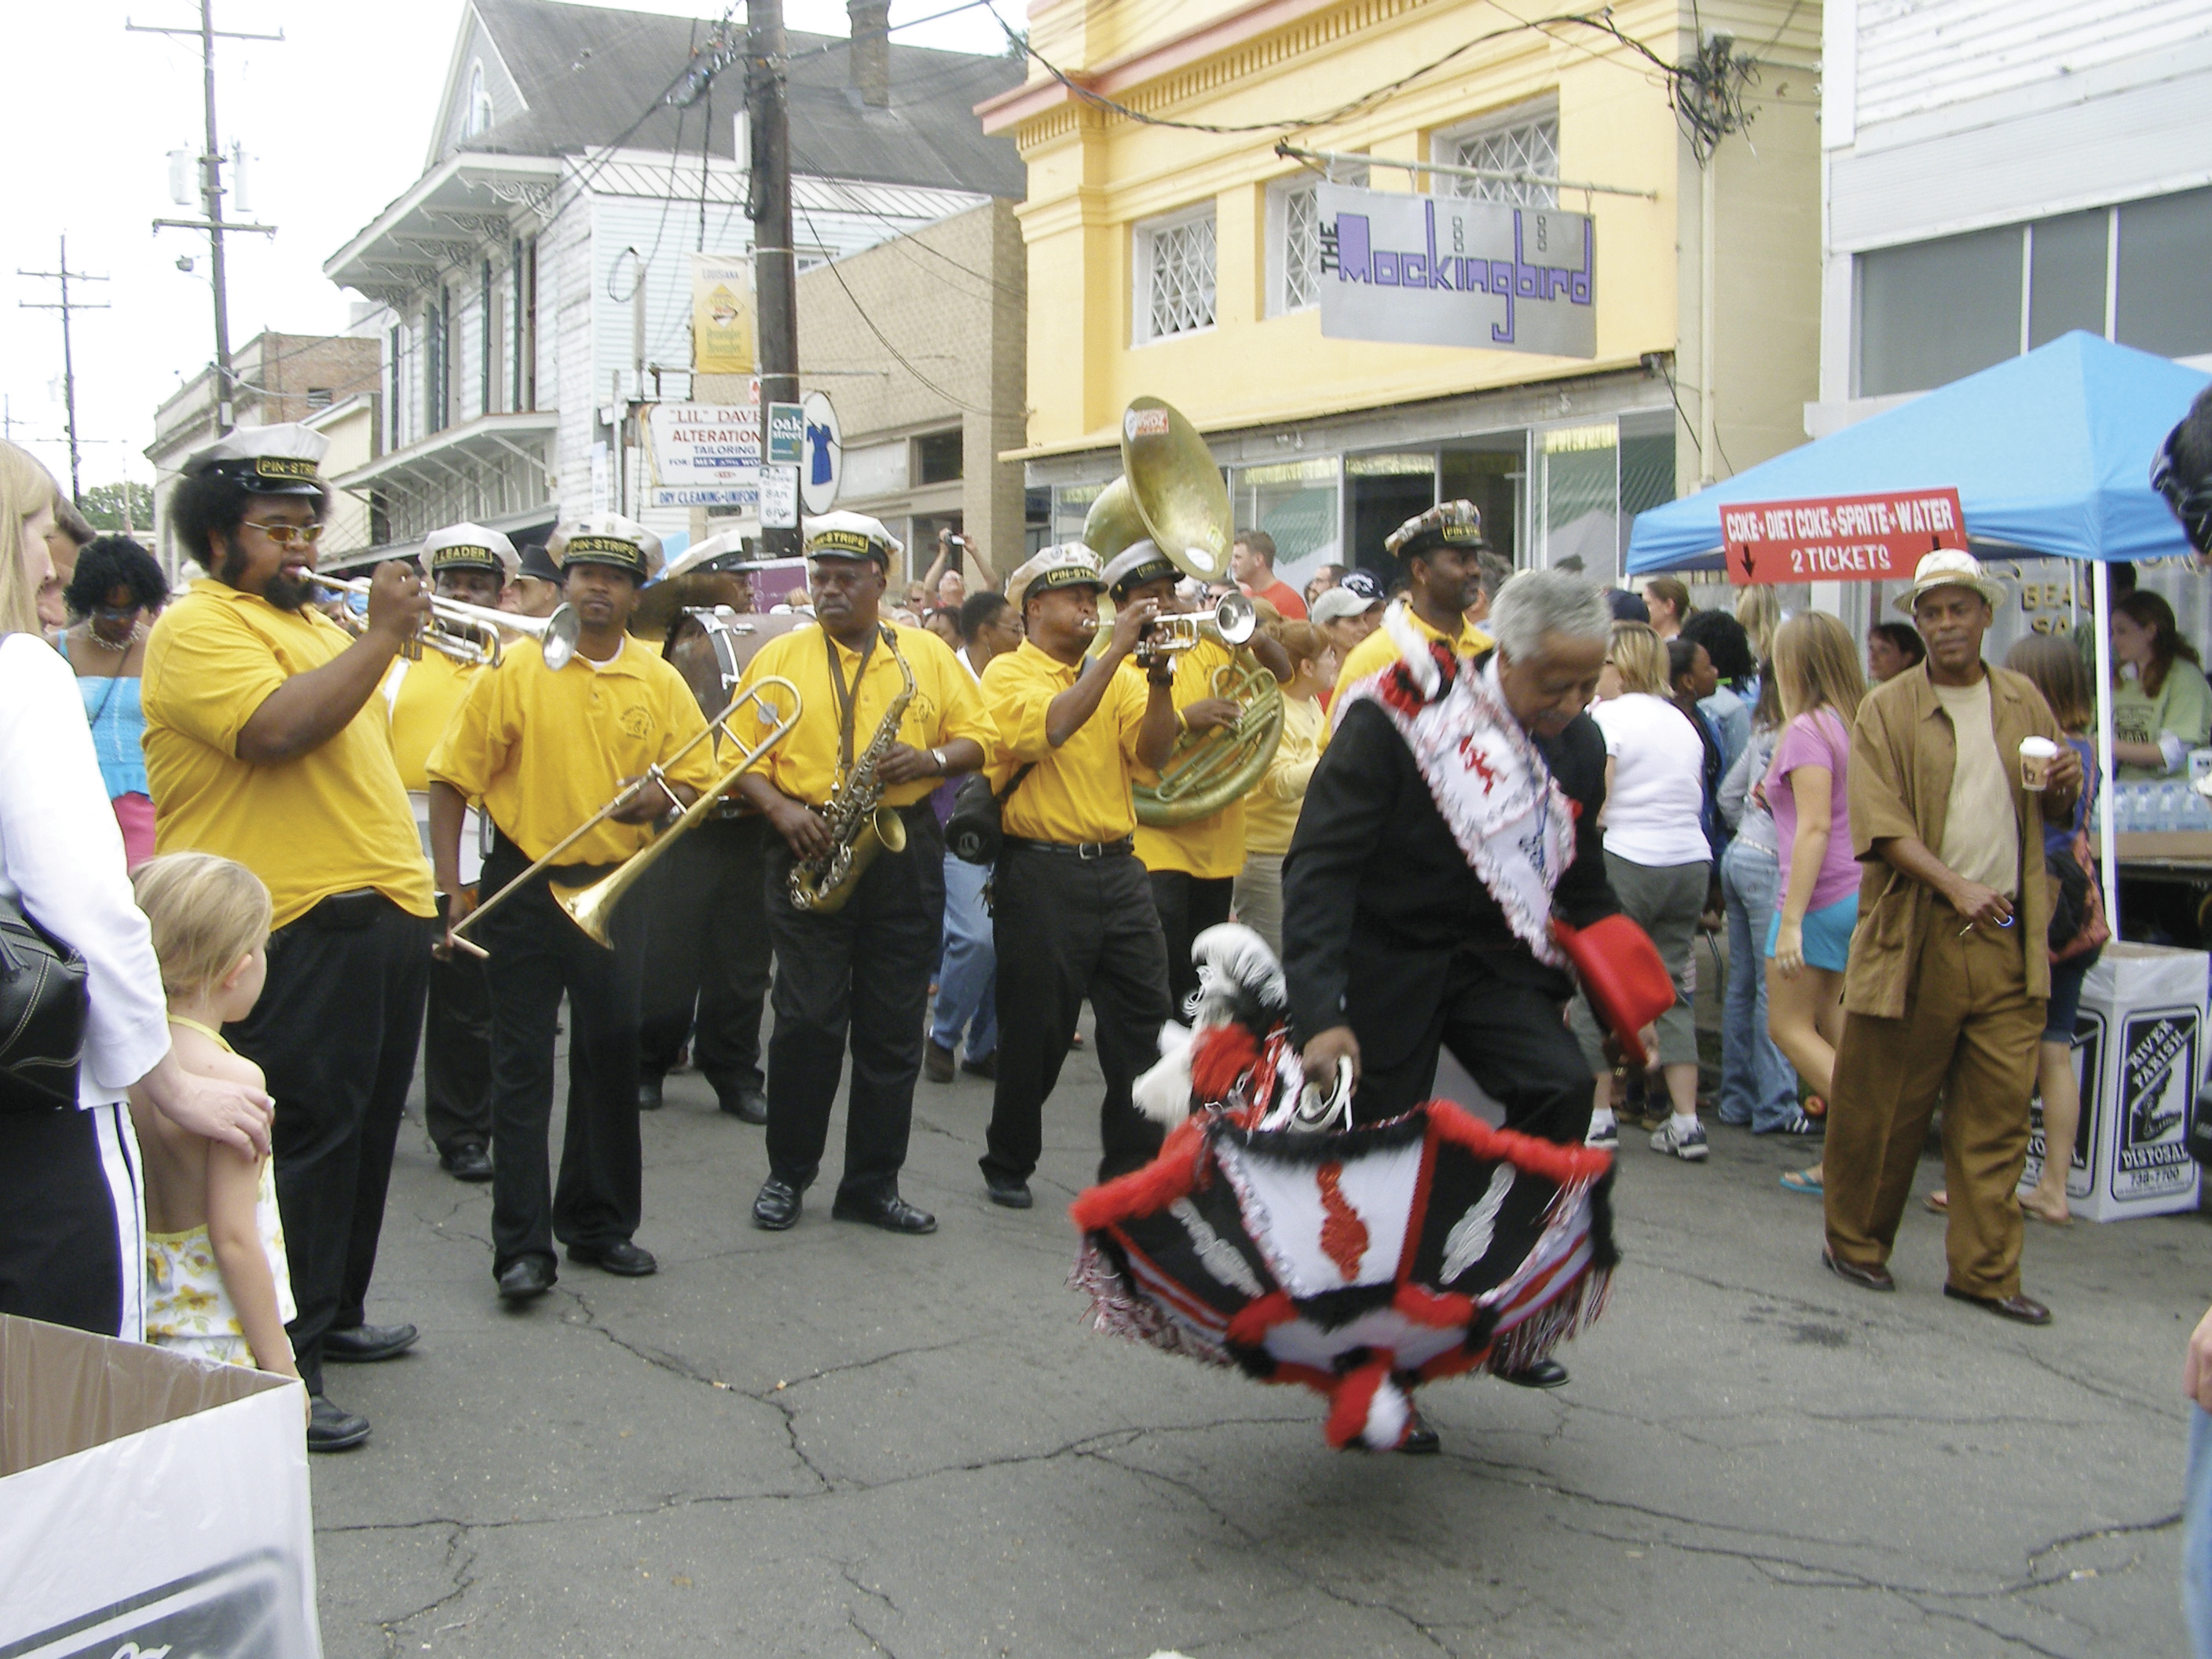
(886, 714)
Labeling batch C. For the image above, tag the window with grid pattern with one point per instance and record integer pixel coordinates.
(1301, 247)
(1523, 146)
(1179, 276)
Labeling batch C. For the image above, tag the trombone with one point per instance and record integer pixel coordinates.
(592, 908)
(469, 633)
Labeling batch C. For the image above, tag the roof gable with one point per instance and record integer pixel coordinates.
(580, 76)
(475, 50)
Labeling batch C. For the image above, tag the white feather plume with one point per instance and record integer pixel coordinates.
(1234, 962)
(1163, 1093)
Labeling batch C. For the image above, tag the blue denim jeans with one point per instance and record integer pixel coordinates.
(964, 998)
(2197, 1535)
(1759, 1086)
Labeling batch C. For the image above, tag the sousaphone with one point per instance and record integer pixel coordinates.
(1171, 493)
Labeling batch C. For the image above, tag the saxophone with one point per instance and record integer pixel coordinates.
(860, 826)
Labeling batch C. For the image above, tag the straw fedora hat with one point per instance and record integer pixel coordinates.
(1950, 567)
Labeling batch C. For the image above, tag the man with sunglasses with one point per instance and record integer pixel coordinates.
(266, 742)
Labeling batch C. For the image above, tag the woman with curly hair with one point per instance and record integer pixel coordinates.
(114, 593)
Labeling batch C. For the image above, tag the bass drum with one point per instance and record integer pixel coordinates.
(711, 648)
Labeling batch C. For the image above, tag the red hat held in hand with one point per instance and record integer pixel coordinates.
(1621, 971)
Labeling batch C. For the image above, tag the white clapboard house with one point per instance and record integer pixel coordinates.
(536, 278)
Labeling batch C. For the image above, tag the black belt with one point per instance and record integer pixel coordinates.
(1075, 849)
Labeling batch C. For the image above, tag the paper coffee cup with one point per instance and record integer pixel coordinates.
(2036, 755)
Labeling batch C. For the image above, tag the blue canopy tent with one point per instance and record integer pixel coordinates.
(2049, 453)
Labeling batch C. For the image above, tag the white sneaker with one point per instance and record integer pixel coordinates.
(1688, 1145)
(1604, 1136)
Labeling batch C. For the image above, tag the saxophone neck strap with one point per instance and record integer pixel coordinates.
(848, 697)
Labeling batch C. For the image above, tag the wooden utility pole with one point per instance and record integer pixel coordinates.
(211, 194)
(64, 275)
(775, 272)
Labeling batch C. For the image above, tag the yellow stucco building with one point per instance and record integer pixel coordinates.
(1195, 265)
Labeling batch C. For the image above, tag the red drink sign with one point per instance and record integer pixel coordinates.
(1840, 538)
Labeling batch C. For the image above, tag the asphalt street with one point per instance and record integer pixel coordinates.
(835, 1442)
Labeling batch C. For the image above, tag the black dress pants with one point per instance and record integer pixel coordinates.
(1508, 1033)
(1066, 927)
(70, 1230)
(457, 1054)
(1188, 907)
(536, 953)
(708, 948)
(334, 1034)
(857, 976)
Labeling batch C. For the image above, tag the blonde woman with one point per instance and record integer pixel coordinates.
(1270, 811)
(1760, 610)
(72, 1230)
(1659, 862)
(1807, 787)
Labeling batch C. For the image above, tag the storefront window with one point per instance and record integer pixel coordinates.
(1385, 491)
(1070, 504)
(1298, 503)
(1578, 483)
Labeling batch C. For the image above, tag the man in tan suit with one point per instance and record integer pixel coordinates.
(1949, 968)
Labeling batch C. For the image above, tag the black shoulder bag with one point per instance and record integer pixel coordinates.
(975, 831)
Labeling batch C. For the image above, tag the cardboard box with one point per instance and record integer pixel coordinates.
(150, 1503)
(2138, 1051)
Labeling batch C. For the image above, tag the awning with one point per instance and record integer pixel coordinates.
(461, 452)
(2049, 453)
(441, 222)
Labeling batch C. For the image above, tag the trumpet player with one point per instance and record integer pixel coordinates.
(886, 714)
(265, 744)
(1071, 914)
(544, 751)
(468, 564)
(1191, 867)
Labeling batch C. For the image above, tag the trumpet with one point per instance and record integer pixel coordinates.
(590, 907)
(1232, 621)
(471, 633)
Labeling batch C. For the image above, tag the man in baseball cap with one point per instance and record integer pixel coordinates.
(1349, 611)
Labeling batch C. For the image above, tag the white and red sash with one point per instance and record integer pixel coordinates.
(1489, 779)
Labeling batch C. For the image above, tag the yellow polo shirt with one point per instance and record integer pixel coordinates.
(1211, 849)
(333, 820)
(1080, 791)
(544, 750)
(946, 707)
(427, 693)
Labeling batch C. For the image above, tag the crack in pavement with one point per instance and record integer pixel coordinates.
(1415, 1624)
(462, 1584)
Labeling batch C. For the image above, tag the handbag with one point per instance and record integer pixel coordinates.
(974, 830)
(2077, 907)
(44, 1005)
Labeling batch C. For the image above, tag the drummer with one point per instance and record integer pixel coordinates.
(707, 939)
(472, 565)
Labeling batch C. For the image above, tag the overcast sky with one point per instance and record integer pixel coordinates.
(335, 122)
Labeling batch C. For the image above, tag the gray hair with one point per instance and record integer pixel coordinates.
(1539, 602)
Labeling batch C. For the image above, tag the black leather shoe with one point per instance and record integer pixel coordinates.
(2025, 1308)
(777, 1205)
(622, 1258)
(1010, 1191)
(466, 1163)
(1544, 1374)
(648, 1094)
(982, 1065)
(1867, 1279)
(893, 1214)
(526, 1279)
(366, 1344)
(1420, 1439)
(936, 1061)
(747, 1105)
(331, 1428)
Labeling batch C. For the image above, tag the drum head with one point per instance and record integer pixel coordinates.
(712, 648)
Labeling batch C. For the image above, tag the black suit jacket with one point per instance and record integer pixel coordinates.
(1378, 896)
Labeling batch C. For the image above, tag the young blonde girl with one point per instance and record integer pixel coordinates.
(218, 1286)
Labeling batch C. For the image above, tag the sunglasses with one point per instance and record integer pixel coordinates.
(286, 534)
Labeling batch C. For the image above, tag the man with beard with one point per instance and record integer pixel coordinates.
(266, 743)
(545, 749)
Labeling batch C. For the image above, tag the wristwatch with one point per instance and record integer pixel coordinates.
(937, 754)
